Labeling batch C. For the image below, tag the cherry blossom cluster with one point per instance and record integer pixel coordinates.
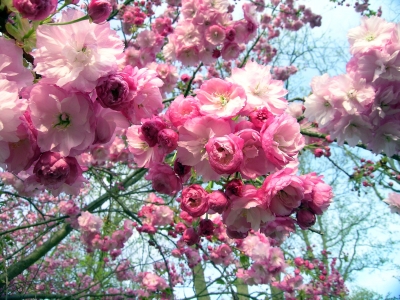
(361, 106)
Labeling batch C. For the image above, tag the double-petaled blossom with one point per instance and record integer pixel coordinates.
(164, 180)
(194, 200)
(260, 88)
(281, 140)
(74, 56)
(221, 99)
(247, 211)
(225, 153)
(11, 67)
(65, 121)
(282, 192)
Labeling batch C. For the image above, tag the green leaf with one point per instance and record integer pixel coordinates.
(220, 281)
(245, 261)
(13, 32)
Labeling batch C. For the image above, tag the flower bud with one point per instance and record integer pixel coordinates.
(168, 140)
(234, 187)
(305, 219)
(99, 10)
(191, 237)
(206, 227)
(35, 10)
(113, 91)
(53, 170)
(217, 201)
(150, 130)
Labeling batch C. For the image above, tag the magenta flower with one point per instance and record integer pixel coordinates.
(194, 200)
(164, 180)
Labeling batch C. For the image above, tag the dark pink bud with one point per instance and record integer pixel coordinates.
(234, 187)
(53, 170)
(305, 219)
(318, 152)
(185, 77)
(298, 261)
(180, 169)
(150, 130)
(99, 10)
(168, 140)
(35, 9)
(233, 234)
(216, 53)
(217, 201)
(180, 227)
(206, 227)
(191, 237)
(113, 90)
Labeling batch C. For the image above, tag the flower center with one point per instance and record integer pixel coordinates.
(63, 121)
(370, 37)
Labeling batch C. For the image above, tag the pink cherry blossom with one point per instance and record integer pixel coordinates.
(247, 211)
(372, 33)
(74, 56)
(281, 140)
(282, 192)
(182, 109)
(89, 223)
(11, 66)
(260, 88)
(64, 121)
(221, 99)
(144, 155)
(194, 200)
(393, 200)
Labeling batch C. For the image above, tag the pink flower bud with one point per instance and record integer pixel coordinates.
(35, 9)
(168, 140)
(234, 187)
(99, 10)
(217, 201)
(150, 130)
(298, 261)
(305, 219)
(206, 227)
(185, 77)
(318, 152)
(194, 200)
(180, 169)
(191, 237)
(53, 170)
